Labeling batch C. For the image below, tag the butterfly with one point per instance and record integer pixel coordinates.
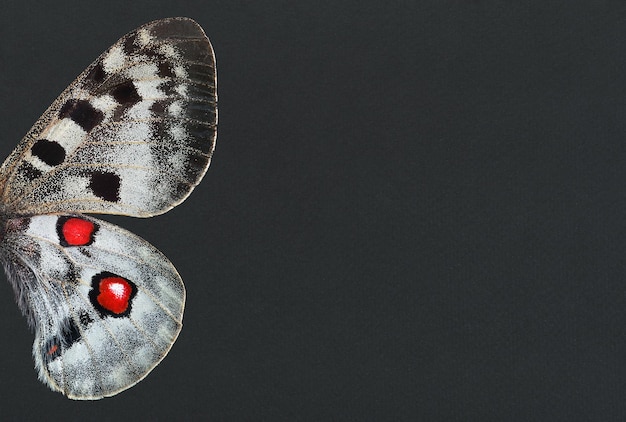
(132, 135)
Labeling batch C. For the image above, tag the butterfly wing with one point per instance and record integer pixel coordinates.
(132, 135)
(106, 306)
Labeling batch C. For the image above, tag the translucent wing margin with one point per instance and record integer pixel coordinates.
(93, 339)
(132, 135)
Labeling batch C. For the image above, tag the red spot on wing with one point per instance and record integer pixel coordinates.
(115, 294)
(77, 232)
(53, 349)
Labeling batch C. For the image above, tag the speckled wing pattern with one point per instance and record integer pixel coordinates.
(86, 347)
(132, 135)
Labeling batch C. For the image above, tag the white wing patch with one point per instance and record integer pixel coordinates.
(114, 60)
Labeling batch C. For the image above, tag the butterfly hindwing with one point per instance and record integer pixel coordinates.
(132, 135)
(106, 305)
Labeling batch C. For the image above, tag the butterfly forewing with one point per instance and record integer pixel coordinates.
(132, 135)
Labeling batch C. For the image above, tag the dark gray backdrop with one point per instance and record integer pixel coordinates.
(416, 211)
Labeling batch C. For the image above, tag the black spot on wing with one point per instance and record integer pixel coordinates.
(50, 152)
(28, 171)
(165, 70)
(159, 106)
(128, 44)
(168, 88)
(126, 94)
(105, 185)
(68, 335)
(71, 275)
(84, 319)
(82, 113)
(96, 74)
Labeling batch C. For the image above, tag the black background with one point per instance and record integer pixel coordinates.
(416, 211)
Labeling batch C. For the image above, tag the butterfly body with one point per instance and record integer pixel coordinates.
(132, 135)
